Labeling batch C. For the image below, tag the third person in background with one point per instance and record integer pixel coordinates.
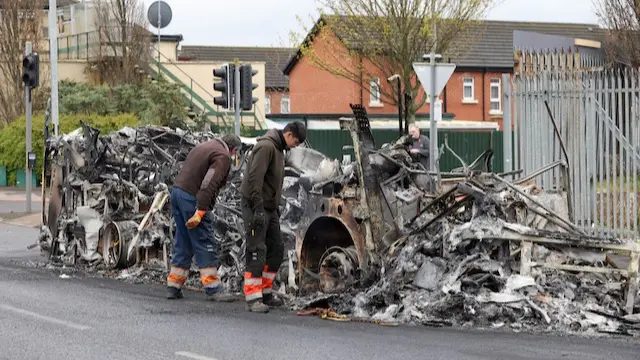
(419, 146)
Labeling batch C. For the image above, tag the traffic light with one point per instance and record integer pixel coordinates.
(246, 87)
(31, 70)
(225, 85)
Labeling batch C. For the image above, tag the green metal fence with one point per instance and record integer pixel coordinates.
(467, 144)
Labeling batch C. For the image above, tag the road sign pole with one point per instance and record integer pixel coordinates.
(236, 106)
(159, 27)
(27, 91)
(433, 131)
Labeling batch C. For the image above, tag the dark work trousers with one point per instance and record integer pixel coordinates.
(264, 246)
(199, 240)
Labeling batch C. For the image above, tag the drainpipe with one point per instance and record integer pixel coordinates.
(361, 82)
(484, 95)
(444, 100)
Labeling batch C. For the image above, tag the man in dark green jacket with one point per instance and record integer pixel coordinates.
(261, 190)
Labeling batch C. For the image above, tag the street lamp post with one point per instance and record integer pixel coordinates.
(399, 84)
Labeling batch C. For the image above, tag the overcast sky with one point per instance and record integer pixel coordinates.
(268, 22)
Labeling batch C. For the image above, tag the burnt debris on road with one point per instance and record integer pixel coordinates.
(379, 239)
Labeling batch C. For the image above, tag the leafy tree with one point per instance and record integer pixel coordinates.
(388, 36)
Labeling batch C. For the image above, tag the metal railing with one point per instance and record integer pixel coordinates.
(224, 115)
(590, 120)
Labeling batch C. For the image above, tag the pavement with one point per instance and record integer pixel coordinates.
(13, 208)
(46, 314)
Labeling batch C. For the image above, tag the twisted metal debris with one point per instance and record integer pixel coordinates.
(374, 240)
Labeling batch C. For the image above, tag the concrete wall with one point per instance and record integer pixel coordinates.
(72, 70)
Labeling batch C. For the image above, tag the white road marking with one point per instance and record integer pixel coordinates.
(193, 356)
(44, 318)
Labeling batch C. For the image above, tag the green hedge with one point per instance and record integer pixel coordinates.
(13, 145)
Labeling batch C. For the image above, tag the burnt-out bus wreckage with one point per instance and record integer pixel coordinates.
(380, 239)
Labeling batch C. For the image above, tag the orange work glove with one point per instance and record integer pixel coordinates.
(195, 219)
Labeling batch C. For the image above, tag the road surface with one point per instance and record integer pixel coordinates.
(44, 316)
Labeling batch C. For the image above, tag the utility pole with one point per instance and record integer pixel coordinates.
(399, 89)
(433, 132)
(53, 55)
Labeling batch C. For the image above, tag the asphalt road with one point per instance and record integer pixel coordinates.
(44, 316)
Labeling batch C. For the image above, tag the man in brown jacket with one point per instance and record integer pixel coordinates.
(193, 195)
(261, 189)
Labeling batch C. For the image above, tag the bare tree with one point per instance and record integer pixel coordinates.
(622, 20)
(124, 39)
(20, 21)
(380, 38)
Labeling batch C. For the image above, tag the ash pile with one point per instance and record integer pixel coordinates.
(481, 251)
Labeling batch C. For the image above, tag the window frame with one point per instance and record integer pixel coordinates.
(285, 99)
(267, 104)
(471, 85)
(375, 92)
(495, 83)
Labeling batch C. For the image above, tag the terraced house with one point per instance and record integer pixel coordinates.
(473, 93)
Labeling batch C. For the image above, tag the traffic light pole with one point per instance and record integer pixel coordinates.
(236, 105)
(53, 56)
(27, 91)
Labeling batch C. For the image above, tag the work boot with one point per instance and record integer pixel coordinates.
(257, 306)
(174, 293)
(272, 301)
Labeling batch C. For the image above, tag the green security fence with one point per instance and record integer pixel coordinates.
(467, 144)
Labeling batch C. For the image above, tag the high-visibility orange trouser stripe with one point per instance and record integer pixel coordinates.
(177, 277)
(210, 278)
(267, 280)
(252, 287)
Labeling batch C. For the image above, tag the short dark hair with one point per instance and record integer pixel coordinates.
(232, 141)
(297, 129)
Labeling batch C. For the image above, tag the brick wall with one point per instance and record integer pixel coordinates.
(479, 108)
(276, 98)
(314, 90)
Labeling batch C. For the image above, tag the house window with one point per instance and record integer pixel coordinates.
(496, 105)
(374, 90)
(467, 89)
(267, 104)
(285, 104)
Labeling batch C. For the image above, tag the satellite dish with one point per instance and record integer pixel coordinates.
(159, 14)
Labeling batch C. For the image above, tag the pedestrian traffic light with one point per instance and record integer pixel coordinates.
(224, 86)
(246, 87)
(31, 70)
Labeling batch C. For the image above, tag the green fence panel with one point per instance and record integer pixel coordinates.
(467, 144)
(21, 179)
(3, 176)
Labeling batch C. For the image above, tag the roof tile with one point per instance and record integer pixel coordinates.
(274, 58)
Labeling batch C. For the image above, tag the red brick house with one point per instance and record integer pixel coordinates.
(473, 93)
(275, 59)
